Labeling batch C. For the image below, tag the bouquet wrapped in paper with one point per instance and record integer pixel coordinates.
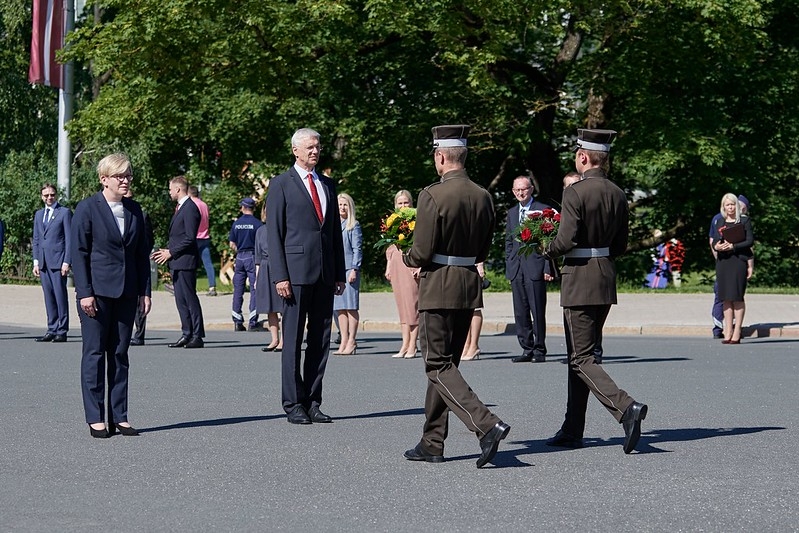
(397, 229)
(538, 229)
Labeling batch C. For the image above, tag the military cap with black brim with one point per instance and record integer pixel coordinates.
(450, 136)
(596, 140)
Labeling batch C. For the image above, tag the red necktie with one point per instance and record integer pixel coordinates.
(315, 197)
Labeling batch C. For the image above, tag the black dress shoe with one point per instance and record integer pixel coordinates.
(59, 338)
(298, 415)
(490, 442)
(318, 417)
(420, 454)
(180, 343)
(136, 342)
(48, 337)
(99, 433)
(238, 326)
(522, 359)
(631, 420)
(129, 431)
(195, 342)
(564, 440)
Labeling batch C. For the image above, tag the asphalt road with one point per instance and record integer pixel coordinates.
(718, 451)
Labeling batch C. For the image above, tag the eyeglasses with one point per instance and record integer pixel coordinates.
(48, 194)
(522, 190)
(122, 177)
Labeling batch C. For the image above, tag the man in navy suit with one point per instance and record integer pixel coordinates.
(183, 257)
(51, 260)
(112, 278)
(528, 277)
(306, 257)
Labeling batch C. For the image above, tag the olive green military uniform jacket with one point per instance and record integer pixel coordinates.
(454, 217)
(594, 214)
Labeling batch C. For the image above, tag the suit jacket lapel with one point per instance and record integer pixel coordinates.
(108, 216)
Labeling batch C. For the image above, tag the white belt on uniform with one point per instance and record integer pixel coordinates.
(453, 260)
(581, 253)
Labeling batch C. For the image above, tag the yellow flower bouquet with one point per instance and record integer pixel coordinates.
(397, 228)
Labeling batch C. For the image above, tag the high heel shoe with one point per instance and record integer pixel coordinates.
(410, 355)
(475, 356)
(127, 431)
(99, 433)
(269, 348)
(351, 352)
(399, 355)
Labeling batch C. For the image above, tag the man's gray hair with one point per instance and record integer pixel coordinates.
(304, 133)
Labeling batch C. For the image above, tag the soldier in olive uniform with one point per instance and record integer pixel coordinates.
(593, 232)
(454, 225)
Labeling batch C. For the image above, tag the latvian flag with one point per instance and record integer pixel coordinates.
(48, 36)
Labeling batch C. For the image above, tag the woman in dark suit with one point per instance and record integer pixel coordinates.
(266, 297)
(110, 261)
(346, 304)
(732, 266)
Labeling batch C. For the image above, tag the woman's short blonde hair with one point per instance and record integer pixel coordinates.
(114, 164)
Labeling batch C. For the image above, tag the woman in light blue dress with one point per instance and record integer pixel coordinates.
(346, 305)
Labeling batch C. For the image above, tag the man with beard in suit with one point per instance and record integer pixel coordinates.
(306, 257)
(183, 257)
(594, 227)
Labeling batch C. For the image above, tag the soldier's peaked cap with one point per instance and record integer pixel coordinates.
(596, 140)
(450, 136)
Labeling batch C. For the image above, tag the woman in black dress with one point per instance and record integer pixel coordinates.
(266, 297)
(732, 267)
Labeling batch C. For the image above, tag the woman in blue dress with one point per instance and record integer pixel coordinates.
(346, 305)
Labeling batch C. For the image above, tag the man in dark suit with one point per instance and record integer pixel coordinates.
(454, 226)
(306, 257)
(593, 232)
(51, 260)
(528, 276)
(183, 256)
(112, 280)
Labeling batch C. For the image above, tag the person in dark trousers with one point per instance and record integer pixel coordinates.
(140, 321)
(306, 259)
(454, 225)
(51, 260)
(242, 242)
(594, 227)
(112, 279)
(528, 277)
(182, 256)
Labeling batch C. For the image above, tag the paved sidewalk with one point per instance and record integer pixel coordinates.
(649, 314)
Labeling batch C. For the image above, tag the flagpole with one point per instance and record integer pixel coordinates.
(66, 99)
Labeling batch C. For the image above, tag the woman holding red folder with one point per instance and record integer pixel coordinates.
(732, 242)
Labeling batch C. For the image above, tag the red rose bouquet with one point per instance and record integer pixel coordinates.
(537, 230)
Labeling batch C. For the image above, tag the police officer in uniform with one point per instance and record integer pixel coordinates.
(242, 241)
(454, 226)
(593, 232)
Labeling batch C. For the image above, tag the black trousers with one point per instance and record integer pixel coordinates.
(442, 335)
(187, 302)
(529, 313)
(583, 327)
(302, 378)
(107, 333)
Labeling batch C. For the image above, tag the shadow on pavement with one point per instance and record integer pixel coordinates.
(511, 458)
(213, 422)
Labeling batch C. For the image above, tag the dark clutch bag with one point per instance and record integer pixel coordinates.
(734, 233)
(486, 283)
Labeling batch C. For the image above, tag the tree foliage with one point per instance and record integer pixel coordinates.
(702, 92)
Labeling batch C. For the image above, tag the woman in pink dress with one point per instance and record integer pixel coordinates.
(405, 284)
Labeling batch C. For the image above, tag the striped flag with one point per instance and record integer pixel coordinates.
(48, 36)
